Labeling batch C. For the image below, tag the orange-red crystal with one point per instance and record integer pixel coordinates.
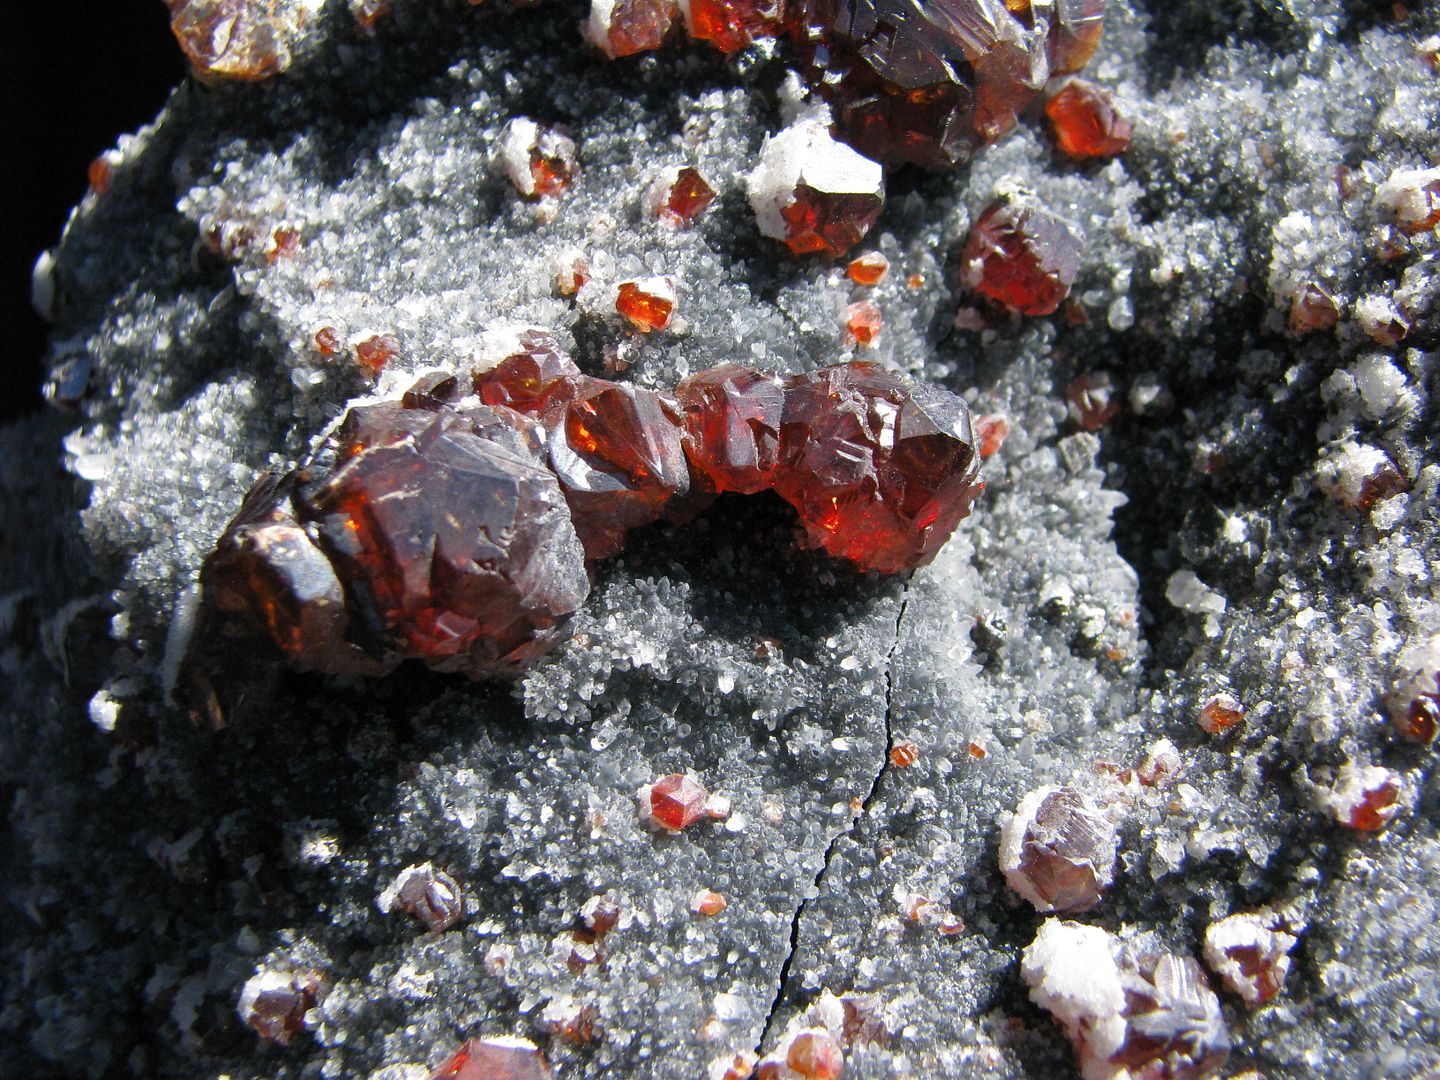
(677, 801)
(687, 197)
(868, 269)
(863, 321)
(1086, 123)
(1022, 256)
(731, 25)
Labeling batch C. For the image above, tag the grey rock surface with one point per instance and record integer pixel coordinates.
(153, 866)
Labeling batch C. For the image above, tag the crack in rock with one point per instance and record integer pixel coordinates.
(855, 819)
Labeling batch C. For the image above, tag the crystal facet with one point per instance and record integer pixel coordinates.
(1086, 123)
(814, 194)
(1022, 256)
(732, 426)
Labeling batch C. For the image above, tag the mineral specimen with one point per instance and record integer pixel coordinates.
(1130, 1013)
(868, 269)
(429, 894)
(647, 303)
(674, 802)
(880, 471)
(929, 84)
(626, 27)
(1414, 699)
(863, 320)
(1363, 797)
(1220, 713)
(275, 1003)
(1251, 953)
(680, 195)
(1022, 256)
(240, 39)
(1086, 123)
(814, 194)
(540, 159)
(731, 25)
(732, 426)
(1058, 850)
(498, 1058)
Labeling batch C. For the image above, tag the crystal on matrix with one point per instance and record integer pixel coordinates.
(731, 25)
(814, 194)
(880, 470)
(816, 1055)
(627, 27)
(930, 83)
(1086, 123)
(540, 159)
(1363, 797)
(1058, 850)
(1414, 699)
(500, 1057)
(868, 269)
(674, 802)
(1411, 197)
(1128, 1012)
(647, 303)
(1313, 308)
(535, 379)
(246, 40)
(275, 1003)
(904, 754)
(1021, 256)
(732, 426)
(374, 351)
(1251, 953)
(863, 322)
(428, 893)
(1220, 713)
(709, 903)
(680, 195)
(1094, 400)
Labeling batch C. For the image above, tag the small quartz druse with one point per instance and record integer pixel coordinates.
(456, 525)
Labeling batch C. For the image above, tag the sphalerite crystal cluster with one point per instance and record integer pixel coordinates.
(538, 333)
(454, 525)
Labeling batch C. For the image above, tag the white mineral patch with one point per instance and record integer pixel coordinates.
(805, 153)
(519, 140)
(1072, 974)
(1187, 592)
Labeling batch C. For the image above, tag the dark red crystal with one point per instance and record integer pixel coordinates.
(929, 83)
(619, 458)
(731, 25)
(533, 380)
(880, 470)
(732, 426)
(1022, 256)
(1173, 1024)
(1086, 123)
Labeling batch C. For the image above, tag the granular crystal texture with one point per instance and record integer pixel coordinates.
(814, 194)
(732, 426)
(1022, 256)
(930, 83)
(879, 470)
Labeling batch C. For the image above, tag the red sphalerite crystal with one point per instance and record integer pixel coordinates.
(274, 1003)
(731, 25)
(429, 894)
(375, 351)
(816, 1055)
(868, 269)
(929, 84)
(1364, 797)
(533, 380)
(540, 159)
(732, 426)
(863, 321)
(1022, 256)
(709, 903)
(647, 303)
(327, 341)
(1220, 713)
(1058, 850)
(1085, 122)
(626, 27)
(681, 195)
(1414, 698)
(618, 454)
(1094, 400)
(1173, 1024)
(239, 39)
(992, 430)
(814, 194)
(676, 802)
(879, 469)
(1251, 953)
(1313, 308)
(498, 1058)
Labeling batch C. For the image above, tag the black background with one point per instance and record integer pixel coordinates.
(76, 77)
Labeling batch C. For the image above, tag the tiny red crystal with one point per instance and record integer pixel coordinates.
(1085, 122)
(731, 25)
(1094, 400)
(684, 197)
(1022, 256)
(816, 1055)
(374, 352)
(647, 303)
(627, 27)
(868, 269)
(1220, 713)
(502, 1058)
(863, 321)
(676, 802)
